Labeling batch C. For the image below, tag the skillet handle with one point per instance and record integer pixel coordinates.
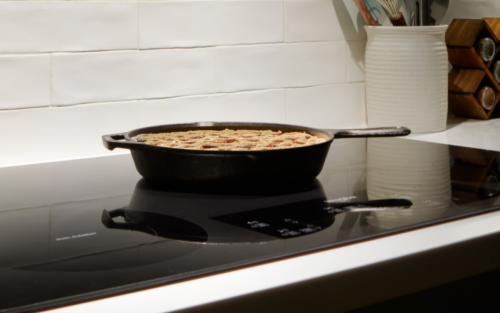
(107, 220)
(368, 206)
(373, 132)
(112, 141)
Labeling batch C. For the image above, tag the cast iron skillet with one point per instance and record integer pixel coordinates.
(185, 166)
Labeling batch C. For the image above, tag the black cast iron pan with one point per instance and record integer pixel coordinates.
(185, 166)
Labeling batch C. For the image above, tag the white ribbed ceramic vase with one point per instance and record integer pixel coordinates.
(407, 77)
(414, 170)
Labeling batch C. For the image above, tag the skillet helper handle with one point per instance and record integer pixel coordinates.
(373, 132)
(107, 220)
(368, 206)
(113, 141)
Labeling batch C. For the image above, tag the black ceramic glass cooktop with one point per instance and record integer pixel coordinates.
(82, 229)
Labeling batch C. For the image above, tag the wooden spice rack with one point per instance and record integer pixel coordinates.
(469, 71)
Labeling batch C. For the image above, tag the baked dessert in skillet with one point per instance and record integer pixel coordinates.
(230, 140)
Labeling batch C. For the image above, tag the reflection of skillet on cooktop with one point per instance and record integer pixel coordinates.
(235, 216)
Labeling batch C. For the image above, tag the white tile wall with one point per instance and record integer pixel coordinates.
(253, 106)
(56, 133)
(312, 20)
(125, 75)
(357, 150)
(174, 61)
(339, 156)
(27, 26)
(356, 61)
(280, 65)
(24, 81)
(475, 9)
(209, 23)
(332, 106)
(322, 20)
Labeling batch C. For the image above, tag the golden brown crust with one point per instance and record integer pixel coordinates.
(230, 140)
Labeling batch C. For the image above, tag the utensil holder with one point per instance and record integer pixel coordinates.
(407, 77)
(469, 71)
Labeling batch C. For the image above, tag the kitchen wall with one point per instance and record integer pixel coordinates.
(72, 71)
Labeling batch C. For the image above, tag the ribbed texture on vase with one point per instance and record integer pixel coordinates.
(407, 77)
(413, 170)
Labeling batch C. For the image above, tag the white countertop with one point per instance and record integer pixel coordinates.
(467, 133)
(332, 262)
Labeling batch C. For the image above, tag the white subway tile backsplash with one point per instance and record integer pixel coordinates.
(254, 106)
(472, 9)
(24, 81)
(280, 65)
(339, 155)
(322, 20)
(95, 77)
(351, 21)
(332, 106)
(56, 133)
(209, 23)
(357, 149)
(41, 26)
(177, 72)
(95, 91)
(311, 20)
(356, 61)
(126, 75)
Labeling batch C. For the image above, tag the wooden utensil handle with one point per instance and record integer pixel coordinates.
(398, 20)
(365, 13)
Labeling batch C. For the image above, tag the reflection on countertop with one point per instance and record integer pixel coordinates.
(471, 133)
(416, 171)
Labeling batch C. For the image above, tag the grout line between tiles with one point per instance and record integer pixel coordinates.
(20, 109)
(164, 48)
(91, 103)
(248, 44)
(183, 96)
